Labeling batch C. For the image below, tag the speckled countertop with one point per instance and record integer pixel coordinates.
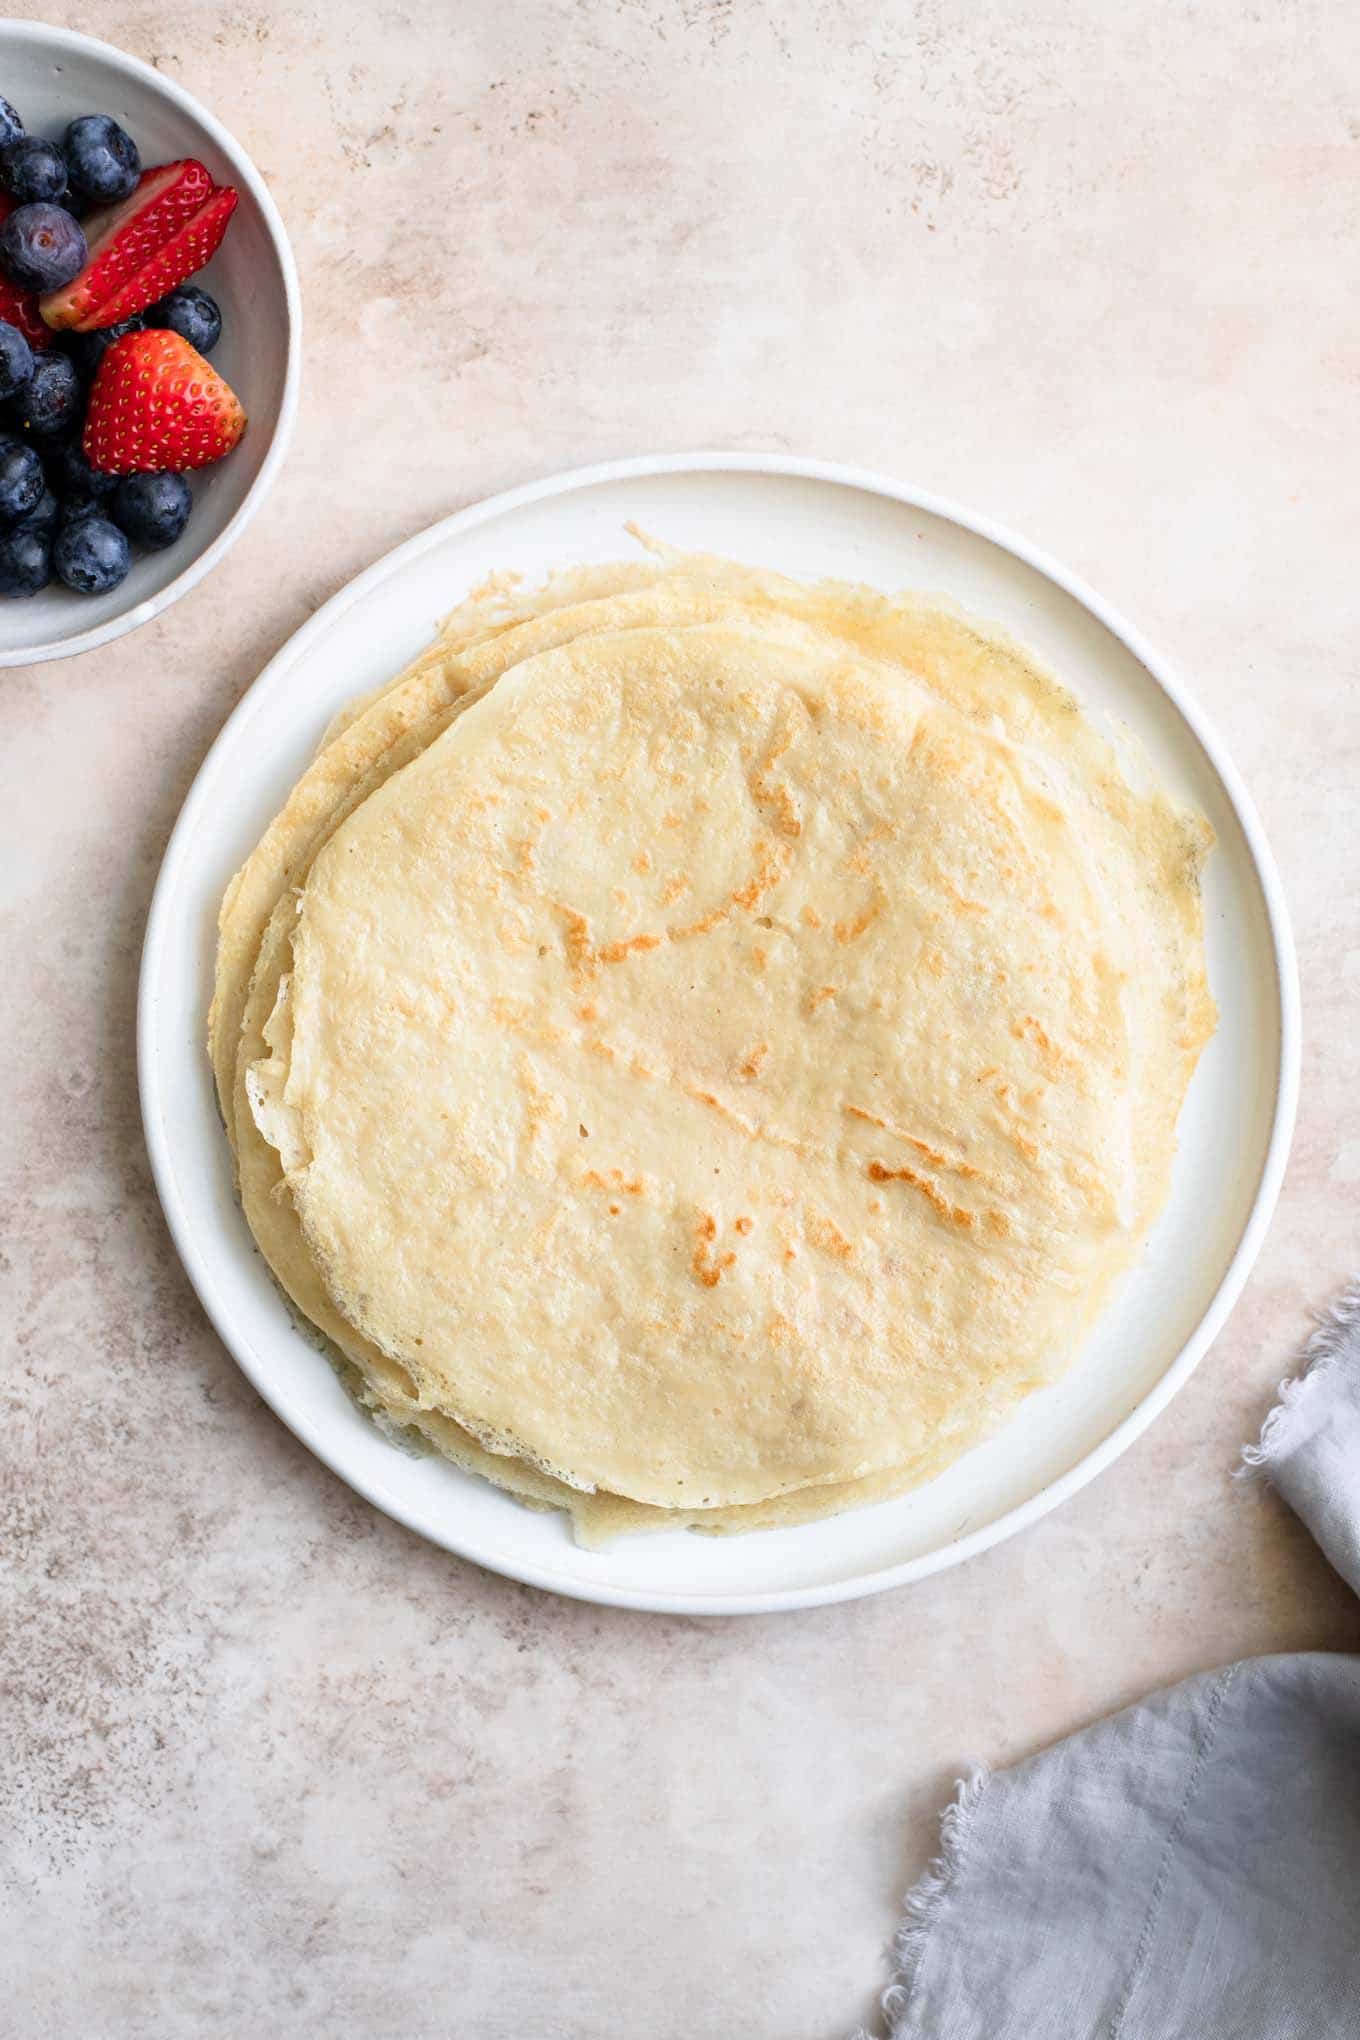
(269, 1765)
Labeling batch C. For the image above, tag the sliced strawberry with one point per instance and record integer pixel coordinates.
(124, 239)
(156, 403)
(195, 243)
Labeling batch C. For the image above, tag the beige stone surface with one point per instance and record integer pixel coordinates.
(268, 1764)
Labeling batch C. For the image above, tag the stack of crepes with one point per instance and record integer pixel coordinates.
(701, 1046)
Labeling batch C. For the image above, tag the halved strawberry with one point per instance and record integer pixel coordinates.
(156, 403)
(140, 249)
(20, 307)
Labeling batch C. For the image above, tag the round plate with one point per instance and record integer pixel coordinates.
(812, 519)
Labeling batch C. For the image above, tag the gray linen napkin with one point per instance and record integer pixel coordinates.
(1190, 1868)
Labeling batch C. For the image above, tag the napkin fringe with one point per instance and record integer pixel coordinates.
(922, 1904)
(1336, 1337)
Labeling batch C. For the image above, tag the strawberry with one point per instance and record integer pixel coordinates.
(20, 307)
(156, 403)
(167, 228)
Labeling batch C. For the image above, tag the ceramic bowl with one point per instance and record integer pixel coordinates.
(50, 75)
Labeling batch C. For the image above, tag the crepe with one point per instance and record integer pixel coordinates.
(830, 921)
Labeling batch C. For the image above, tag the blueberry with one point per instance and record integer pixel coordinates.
(25, 562)
(71, 475)
(32, 171)
(16, 359)
(11, 127)
(101, 158)
(87, 350)
(192, 314)
(21, 479)
(153, 509)
(42, 247)
(51, 399)
(42, 518)
(91, 555)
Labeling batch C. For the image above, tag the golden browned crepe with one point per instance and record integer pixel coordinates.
(702, 1046)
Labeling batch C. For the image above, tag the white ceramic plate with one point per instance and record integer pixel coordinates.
(807, 518)
(50, 75)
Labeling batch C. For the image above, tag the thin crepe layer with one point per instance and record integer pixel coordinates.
(982, 682)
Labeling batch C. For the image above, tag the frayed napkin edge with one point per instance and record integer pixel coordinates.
(924, 1902)
(1334, 1338)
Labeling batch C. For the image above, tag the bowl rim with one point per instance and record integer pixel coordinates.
(244, 172)
(164, 916)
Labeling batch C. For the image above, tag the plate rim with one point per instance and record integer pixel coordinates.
(1285, 1104)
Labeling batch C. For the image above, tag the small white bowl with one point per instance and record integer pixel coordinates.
(50, 75)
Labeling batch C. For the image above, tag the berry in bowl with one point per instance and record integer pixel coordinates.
(136, 241)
